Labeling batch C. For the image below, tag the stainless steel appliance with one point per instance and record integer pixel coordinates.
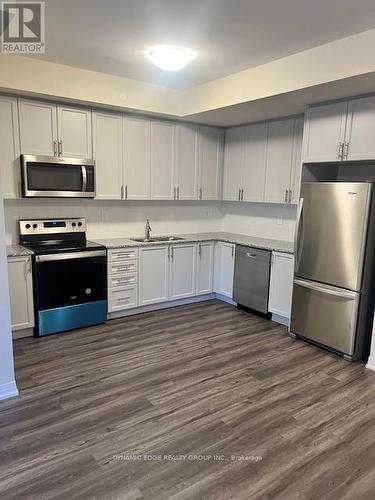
(69, 275)
(332, 301)
(252, 277)
(51, 176)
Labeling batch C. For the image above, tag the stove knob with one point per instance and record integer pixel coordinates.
(35, 226)
(74, 224)
(27, 226)
(79, 224)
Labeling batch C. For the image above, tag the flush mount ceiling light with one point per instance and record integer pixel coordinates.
(170, 57)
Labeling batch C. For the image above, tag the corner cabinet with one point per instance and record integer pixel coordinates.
(10, 172)
(21, 292)
(281, 284)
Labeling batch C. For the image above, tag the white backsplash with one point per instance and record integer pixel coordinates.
(116, 219)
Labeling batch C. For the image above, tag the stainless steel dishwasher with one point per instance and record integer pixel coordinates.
(252, 277)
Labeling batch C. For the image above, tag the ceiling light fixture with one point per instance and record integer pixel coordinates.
(170, 57)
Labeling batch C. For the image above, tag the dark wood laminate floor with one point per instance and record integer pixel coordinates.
(102, 409)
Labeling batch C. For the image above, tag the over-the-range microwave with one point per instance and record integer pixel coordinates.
(51, 176)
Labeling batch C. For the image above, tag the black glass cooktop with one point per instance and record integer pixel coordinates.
(60, 246)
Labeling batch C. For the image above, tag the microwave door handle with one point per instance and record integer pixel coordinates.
(84, 178)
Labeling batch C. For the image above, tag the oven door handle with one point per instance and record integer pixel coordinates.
(70, 255)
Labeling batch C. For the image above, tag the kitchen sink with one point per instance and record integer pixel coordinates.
(157, 238)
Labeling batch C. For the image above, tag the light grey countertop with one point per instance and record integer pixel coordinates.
(238, 239)
(18, 251)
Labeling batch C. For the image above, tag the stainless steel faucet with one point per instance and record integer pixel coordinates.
(147, 229)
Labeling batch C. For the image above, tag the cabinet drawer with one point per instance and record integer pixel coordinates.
(122, 254)
(117, 280)
(129, 266)
(122, 298)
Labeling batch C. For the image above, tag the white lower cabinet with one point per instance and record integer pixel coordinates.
(281, 284)
(153, 274)
(122, 279)
(205, 268)
(224, 268)
(182, 271)
(122, 298)
(21, 292)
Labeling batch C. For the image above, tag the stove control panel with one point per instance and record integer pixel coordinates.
(52, 226)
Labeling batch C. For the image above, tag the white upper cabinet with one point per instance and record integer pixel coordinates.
(205, 268)
(295, 178)
(182, 271)
(254, 171)
(74, 132)
(210, 162)
(10, 173)
(279, 160)
(234, 159)
(162, 160)
(153, 274)
(107, 153)
(359, 137)
(281, 284)
(324, 132)
(186, 172)
(137, 168)
(38, 127)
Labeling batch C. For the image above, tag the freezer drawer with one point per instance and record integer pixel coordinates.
(325, 314)
(251, 277)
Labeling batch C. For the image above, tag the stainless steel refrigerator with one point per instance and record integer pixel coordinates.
(333, 288)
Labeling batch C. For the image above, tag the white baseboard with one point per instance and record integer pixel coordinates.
(280, 319)
(224, 298)
(8, 390)
(21, 334)
(371, 363)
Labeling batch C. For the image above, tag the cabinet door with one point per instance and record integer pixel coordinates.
(136, 158)
(107, 153)
(281, 284)
(21, 292)
(254, 172)
(74, 131)
(224, 268)
(153, 274)
(205, 268)
(279, 160)
(324, 131)
(187, 162)
(234, 156)
(295, 177)
(360, 129)
(182, 271)
(10, 172)
(162, 161)
(210, 162)
(38, 127)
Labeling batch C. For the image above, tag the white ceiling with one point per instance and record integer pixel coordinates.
(109, 36)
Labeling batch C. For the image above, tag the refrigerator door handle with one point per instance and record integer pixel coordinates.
(297, 253)
(329, 291)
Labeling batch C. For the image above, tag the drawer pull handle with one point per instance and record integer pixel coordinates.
(251, 255)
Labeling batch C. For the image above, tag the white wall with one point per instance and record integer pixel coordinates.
(8, 386)
(116, 219)
(259, 219)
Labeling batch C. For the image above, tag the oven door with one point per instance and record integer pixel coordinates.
(46, 177)
(70, 290)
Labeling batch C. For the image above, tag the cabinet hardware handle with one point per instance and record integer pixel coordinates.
(174, 193)
(122, 192)
(242, 194)
(346, 151)
(126, 191)
(239, 194)
(178, 192)
(172, 253)
(341, 150)
(290, 196)
(55, 148)
(286, 196)
(199, 250)
(232, 251)
(169, 252)
(200, 193)
(60, 148)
